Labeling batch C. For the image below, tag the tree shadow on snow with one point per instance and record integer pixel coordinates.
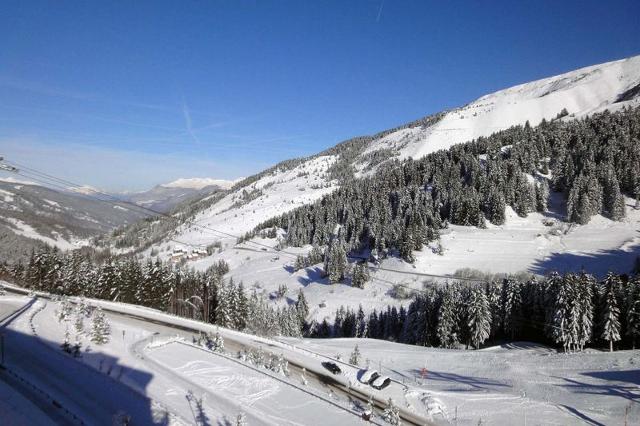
(576, 413)
(628, 392)
(598, 263)
(314, 275)
(476, 383)
(96, 389)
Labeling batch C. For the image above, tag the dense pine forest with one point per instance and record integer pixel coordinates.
(569, 311)
(204, 296)
(403, 205)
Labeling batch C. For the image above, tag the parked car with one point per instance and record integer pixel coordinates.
(332, 367)
(381, 382)
(368, 376)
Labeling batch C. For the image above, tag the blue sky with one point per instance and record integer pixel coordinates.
(125, 95)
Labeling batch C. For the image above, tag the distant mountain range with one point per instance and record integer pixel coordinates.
(32, 215)
(165, 197)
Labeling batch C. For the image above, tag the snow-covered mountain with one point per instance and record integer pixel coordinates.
(200, 183)
(32, 214)
(166, 196)
(292, 183)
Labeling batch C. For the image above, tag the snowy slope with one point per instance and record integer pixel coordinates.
(32, 214)
(271, 195)
(581, 92)
(536, 244)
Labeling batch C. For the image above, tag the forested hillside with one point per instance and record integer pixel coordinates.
(591, 161)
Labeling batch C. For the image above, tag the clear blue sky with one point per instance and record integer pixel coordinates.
(126, 94)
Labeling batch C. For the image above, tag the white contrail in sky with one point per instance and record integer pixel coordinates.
(187, 121)
(380, 11)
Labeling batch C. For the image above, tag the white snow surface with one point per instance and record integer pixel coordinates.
(149, 374)
(247, 207)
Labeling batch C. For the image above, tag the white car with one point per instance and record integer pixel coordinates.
(381, 382)
(368, 376)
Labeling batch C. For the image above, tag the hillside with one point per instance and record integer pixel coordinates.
(32, 215)
(293, 183)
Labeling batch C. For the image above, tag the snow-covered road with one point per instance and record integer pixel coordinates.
(175, 383)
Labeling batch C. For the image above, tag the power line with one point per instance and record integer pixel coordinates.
(59, 182)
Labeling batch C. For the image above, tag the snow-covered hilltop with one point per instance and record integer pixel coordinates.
(611, 85)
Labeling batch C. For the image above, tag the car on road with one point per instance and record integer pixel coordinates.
(333, 367)
(368, 376)
(380, 382)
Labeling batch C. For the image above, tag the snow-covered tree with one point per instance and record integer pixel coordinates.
(302, 306)
(479, 317)
(360, 275)
(611, 316)
(391, 413)
(447, 329)
(100, 327)
(241, 420)
(355, 356)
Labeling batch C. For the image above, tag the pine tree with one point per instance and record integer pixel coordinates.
(100, 329)
(479, 317)
(560, 317)
(360, 275)
(447, 330)
(512, 303)
(611, 325)
(302, 306)
(586, 311)
(613, 200)
(391, 414)
(355, 356)
(633, 310)
(336, 261)
(542, 195)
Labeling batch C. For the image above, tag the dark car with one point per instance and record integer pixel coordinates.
(332, 367)
(381, 382)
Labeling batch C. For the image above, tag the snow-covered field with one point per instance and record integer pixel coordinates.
(530, 245)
